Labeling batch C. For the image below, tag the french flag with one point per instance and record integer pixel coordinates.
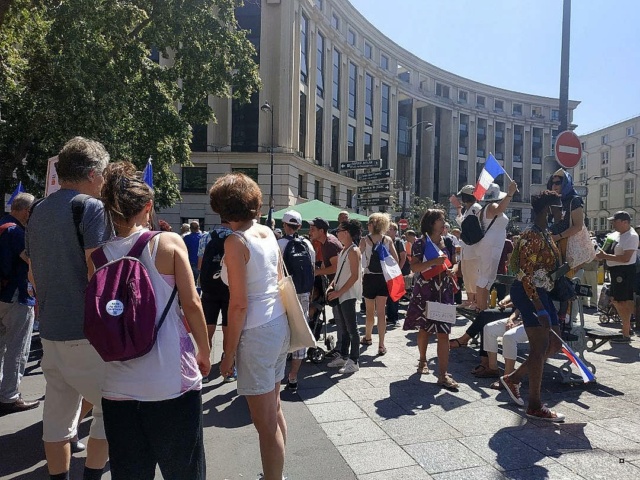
(585, 373)
(431, 252)
(491, 170)
(392, 273)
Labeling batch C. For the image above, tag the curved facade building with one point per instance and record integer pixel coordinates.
(341, 91)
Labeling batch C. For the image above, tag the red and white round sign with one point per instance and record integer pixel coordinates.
(403, 223)
(568, 149)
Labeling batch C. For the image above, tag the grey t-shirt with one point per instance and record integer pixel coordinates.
(58, 261)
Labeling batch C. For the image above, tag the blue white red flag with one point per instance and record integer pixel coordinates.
(147, 174)
(392, 273)
(431, 252)
(584, 372)
(19, 189)
(491, 170)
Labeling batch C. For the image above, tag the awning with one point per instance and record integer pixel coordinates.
(313, 209)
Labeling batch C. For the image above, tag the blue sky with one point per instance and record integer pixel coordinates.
(515, 44)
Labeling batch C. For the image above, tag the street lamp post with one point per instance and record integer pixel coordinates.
(427, 126)
(267, 107)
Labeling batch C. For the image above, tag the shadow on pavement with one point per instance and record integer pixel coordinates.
(234, 415)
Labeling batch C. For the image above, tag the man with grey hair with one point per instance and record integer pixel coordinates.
(16, 306)
(63, 231)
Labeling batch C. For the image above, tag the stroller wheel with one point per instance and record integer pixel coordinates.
(317, 356)
(604, 318)
(330, 343)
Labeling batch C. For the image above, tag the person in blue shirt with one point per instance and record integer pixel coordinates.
(16, 306)
(193, 241)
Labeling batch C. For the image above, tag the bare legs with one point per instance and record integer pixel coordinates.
(442, 349)
(376, 306)
(482, 298)
(625, 310)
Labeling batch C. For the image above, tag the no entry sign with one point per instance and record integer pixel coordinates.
(403, 223)
(568, 149)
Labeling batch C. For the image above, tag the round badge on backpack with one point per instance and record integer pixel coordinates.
(114, 308)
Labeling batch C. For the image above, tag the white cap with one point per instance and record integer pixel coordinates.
(292, 218)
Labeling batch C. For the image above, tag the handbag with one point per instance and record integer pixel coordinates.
(579, 247)
(336, 301)
(301, 336)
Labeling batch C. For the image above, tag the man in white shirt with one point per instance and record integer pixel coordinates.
(622, 264)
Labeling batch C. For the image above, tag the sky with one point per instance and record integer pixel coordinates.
(515, 44)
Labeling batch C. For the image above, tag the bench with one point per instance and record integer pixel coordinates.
(599, 337)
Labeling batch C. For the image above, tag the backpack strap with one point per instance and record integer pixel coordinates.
(481, 214)
(167, 306)
(77, 209)
(138, 247)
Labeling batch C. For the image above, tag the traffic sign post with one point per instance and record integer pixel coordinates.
(568, 149)
(374, 202)
(381, 174)
(360, 164)
(376, 188)
(403, 223)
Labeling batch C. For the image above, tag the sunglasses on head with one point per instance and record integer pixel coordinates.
(557, 182)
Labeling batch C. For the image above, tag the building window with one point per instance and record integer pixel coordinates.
(604, 171)
(462, 172)
(462, 96)
(349, 198)
(302, 192)
(628, 187)
(351, 37)
(302, 138)
(583, 162)
(498, 105)
(604, 204)
(536, 177)
(384, 153)
(384, 62)
(245, 120)
(628, 202)
(517, 109)
(335, 143)
(630, 150)
(319, 4)
(335, 21)
(353, 88)
(604, 190)
(317, 194)
(368, 50)
(442, 90)
(319, 133)
(604, 158)
(194, 179)
(320, 66)
(351, 143)
(603, 223)
(198, 138)
(583, 177)
(604, 139)
(368, 100)
(516, 214)
(304, 48)
(480, 100)
(336, 78)
(334, 195)
(536, 112)
(630, 166)
(630, 131)
(367, 145)
(384, 120)
(251, 172)
(555, 115)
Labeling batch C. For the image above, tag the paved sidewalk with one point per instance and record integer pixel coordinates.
(386, 422)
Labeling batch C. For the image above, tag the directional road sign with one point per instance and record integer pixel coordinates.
(373, 202)
(365, 177)
(360, 164)
(383, 187)
(568, 149)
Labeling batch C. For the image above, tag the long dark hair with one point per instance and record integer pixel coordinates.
(124, 193)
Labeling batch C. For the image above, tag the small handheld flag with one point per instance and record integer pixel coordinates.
(491, 170)
(147, 174)
(431, 252)
(584, 372)
(19, 189)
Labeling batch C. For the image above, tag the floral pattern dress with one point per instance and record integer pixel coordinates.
(437, 289)
(537, 256)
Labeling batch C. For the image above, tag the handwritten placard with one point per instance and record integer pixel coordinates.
(441, 312)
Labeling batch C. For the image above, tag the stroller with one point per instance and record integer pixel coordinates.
(318, 320)
(605, 307)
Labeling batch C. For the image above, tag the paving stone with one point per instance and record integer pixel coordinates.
(369, 393)
(597, 464)
(334, 412)
(311, 396)
(346, 432)
(382, 409)
(406, 473)
(375, 456)
(475, 473)
(443, 456)
(419, 428)
(555, 440)
(478, 421)
(621, 426)
(553, 471)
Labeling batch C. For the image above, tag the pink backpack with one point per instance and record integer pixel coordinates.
(120, 305)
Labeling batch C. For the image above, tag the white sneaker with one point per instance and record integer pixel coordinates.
(349, 367)
(337, 362)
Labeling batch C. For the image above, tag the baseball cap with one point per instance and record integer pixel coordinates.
(320, 223)
(468, 189)
(410, 232)
(278, 231)
(292, 218)
(621, 215)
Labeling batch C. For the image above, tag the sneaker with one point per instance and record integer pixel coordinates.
(76, 445)
(233, 377)
(513, 389)
(292, 386)
(349, 367)
(334, 354)
(543, 413)
(337, 362)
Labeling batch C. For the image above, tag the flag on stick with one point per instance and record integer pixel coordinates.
(431, 252)
(391, 272)
(491, 170)
(584, 372)
(147, 174)
(19, 189)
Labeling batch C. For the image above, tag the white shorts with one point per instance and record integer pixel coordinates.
(261, 356)
(73, 370)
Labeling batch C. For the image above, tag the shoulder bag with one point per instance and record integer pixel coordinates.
(301, 336)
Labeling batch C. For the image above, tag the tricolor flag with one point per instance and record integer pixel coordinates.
(392, 273)
(585, 373)
(147, 174)
(431, 252)
(19, 189)
(491, 170)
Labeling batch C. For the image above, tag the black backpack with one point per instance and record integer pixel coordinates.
(471, 227)
(297, 259)
(210, 281)
(374, 261)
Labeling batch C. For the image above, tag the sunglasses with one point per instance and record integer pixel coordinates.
(557, 183)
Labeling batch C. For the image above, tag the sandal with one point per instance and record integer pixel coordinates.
(422, 367)
(456, 343)
(365, 342)
(448, 382)
(477, 369)
(487, 373)
(382, 351)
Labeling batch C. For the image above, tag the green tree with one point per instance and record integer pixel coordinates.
(83, 67)
(418, 207)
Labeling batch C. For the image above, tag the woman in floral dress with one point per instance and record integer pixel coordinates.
(436, 287)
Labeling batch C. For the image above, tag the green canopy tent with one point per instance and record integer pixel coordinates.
(313, 209)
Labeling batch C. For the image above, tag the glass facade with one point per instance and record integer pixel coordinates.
(302, 137)
(304, 49)
(320, 66)
(368, 100)
(336, 78)
(353, 88)
(319, 132)
(384, 119)
(335, 144)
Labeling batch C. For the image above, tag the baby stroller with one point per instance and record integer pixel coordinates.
(605, 307)
(318, 320)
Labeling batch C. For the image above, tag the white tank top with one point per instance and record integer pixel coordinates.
(170, 368)
(264, 303)
(345, 274)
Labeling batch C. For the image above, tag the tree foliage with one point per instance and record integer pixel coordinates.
(83, 67)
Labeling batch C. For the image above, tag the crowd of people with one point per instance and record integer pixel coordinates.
(147, 409)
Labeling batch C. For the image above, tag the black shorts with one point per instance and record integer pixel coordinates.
(374, 285)
(212, 308)
(623, 279)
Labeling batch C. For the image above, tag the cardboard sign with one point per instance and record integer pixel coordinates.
(441, 312)
(52, 177)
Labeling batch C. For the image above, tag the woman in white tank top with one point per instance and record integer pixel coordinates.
(257, 333)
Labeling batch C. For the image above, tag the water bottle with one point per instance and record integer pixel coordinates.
(494, 298)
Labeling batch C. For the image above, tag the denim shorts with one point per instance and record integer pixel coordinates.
(262, 356)
(523, 303)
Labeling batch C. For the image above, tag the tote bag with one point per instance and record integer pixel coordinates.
(579, 247)
(301, 336)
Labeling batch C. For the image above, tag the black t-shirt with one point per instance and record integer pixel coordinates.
(330, 248)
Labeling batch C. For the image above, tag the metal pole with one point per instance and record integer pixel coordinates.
(564, 66)
(271, 202)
